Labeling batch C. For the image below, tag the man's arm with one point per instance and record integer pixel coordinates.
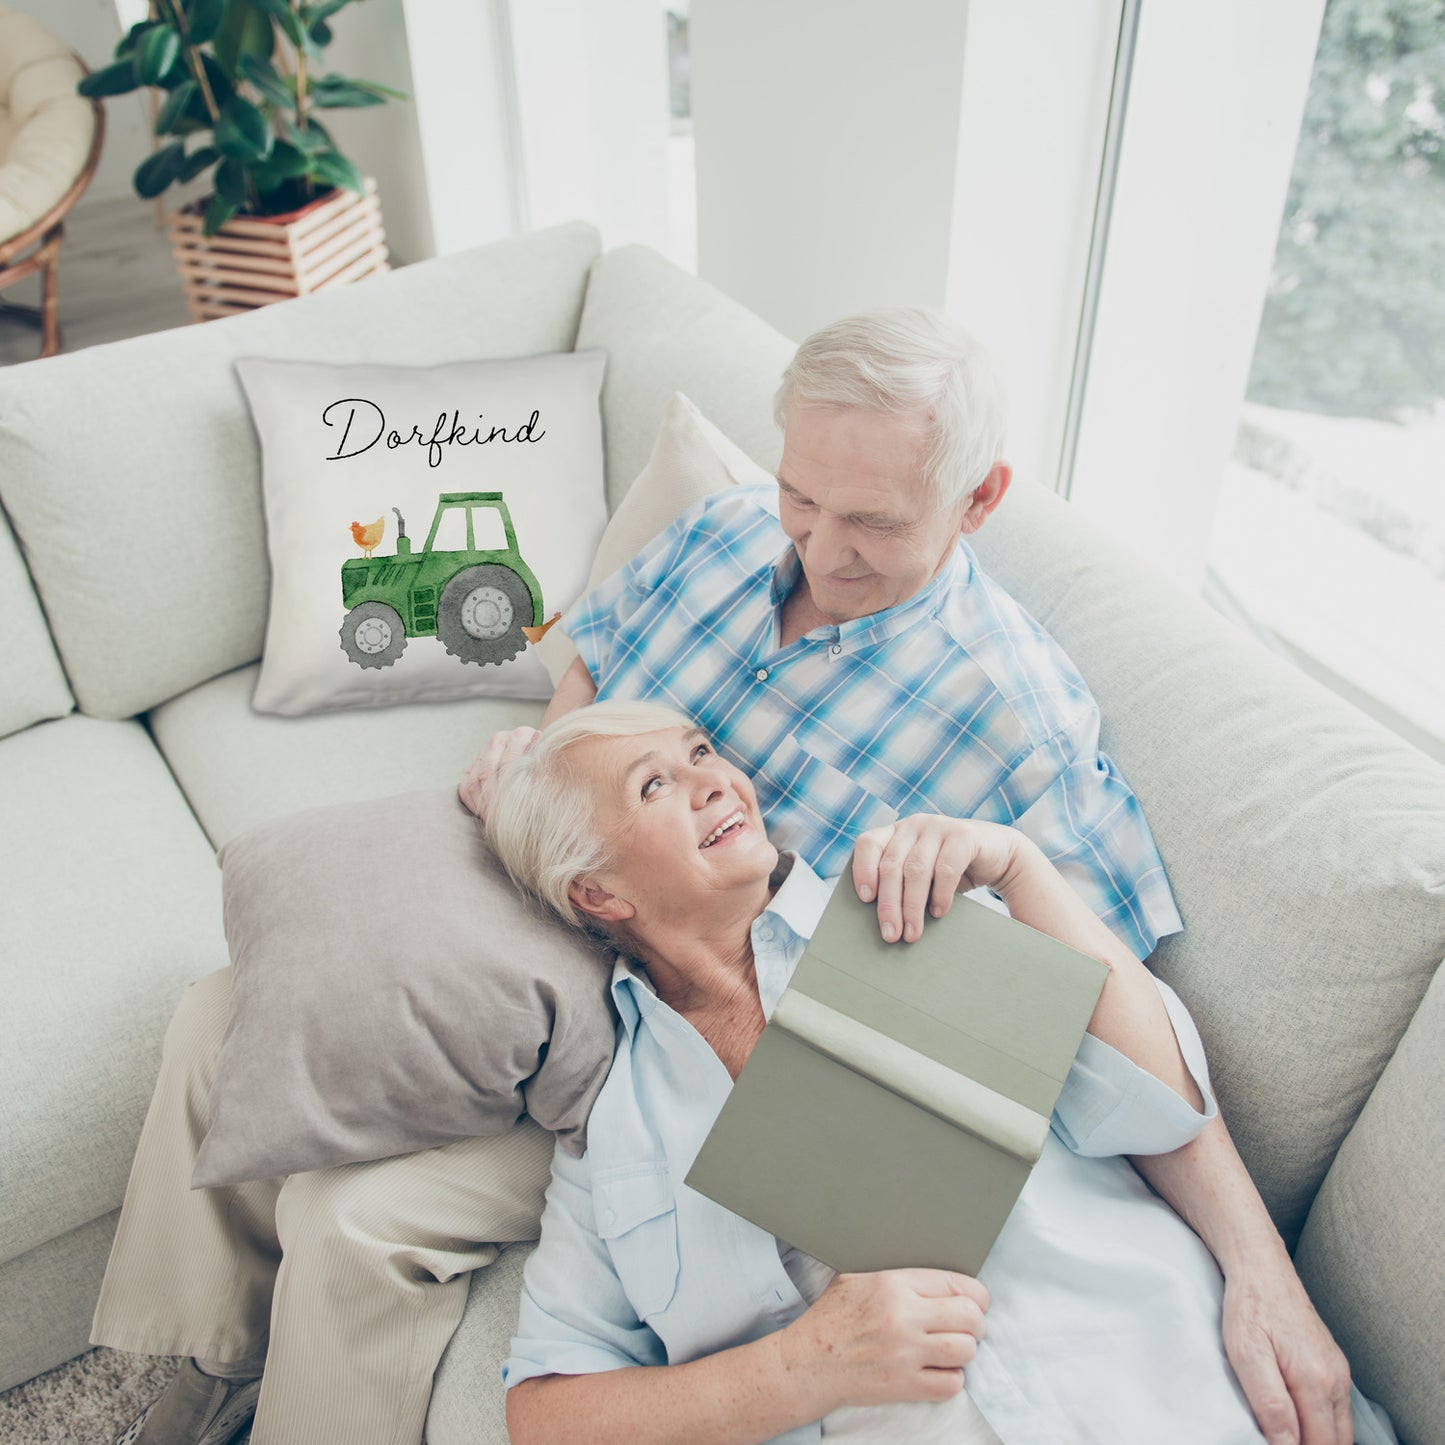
(575, 690)
(1295, 1377)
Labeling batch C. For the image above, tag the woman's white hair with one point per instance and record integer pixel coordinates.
(542, 820)
(908, 360)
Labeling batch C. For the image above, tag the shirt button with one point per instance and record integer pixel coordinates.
(836, 648)
(761, 674)
(765, 933)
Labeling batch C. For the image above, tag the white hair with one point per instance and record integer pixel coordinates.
(542, 820)
(908, 360)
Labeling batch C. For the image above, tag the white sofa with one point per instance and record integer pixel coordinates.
(1305, 845)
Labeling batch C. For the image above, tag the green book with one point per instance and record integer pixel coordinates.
(900, 1094)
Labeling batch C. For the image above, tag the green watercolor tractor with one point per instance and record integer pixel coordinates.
(476, 600)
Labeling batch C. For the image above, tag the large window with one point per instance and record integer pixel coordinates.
(1330, 528)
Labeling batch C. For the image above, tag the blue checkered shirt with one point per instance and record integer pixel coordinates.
(954, 702)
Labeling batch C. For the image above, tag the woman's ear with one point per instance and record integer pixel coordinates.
(596, 902)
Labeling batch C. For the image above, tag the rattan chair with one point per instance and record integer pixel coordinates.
(50, 139)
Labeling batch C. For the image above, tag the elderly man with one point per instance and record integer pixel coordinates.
(839, 641)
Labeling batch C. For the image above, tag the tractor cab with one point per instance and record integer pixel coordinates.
(468, 586)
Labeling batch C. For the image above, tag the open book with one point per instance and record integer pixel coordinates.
(892, 1109)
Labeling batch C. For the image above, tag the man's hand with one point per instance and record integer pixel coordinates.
(475, 788)
(1295, 1377)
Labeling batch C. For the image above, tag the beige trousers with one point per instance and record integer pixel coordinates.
(350, 1281)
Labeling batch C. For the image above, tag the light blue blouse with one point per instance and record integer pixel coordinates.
(1105, 1316)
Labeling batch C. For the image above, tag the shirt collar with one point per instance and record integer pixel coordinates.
(878, 626)
(779, 933)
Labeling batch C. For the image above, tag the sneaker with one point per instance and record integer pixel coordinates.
(195, 1409)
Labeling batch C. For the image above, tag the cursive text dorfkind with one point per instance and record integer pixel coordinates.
(363, 425)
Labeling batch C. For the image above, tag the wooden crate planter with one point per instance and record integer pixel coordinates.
(255, 260)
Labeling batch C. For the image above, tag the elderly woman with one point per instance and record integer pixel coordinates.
(653, 1314)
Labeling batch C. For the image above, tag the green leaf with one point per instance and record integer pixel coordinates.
(244, 31)
(197, 161)
(333, 92)
(287, 162)
(157, 171)
(278, 89)
(320, 35)
(203, 19)
(333, 168)
(231, 182)
(175, 105)
(218, 212)
(312, 140)
(324, 11)
(222, 85)
(131, 38)
(285, 17)
(377, 88)
(157, 52)
(242, 132)
(117, 79)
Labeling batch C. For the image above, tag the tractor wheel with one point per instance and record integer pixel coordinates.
(373, 635)
(481, 614)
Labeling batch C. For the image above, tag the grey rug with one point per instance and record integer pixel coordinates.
(86, 1402)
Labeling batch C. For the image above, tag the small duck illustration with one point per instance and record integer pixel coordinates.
(536, 634)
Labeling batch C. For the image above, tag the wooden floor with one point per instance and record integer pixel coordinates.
(117, 279)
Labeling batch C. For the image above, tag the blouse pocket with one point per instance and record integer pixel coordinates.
(637, 1216)
(820, 809)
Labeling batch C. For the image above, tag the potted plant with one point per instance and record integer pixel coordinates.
(239, 85)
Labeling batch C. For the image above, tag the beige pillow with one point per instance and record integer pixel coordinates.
(691, 459)
(393, 992)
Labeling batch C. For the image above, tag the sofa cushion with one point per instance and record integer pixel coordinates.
(1372, 1254)
(393, 993)
(131, 471)
(35, 687)
(110, 906)
(664, 331)
(239, 768)
(1301, 840)
(363, 616)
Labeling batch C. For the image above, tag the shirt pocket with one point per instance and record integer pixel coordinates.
(636, 1212)
(819, 809)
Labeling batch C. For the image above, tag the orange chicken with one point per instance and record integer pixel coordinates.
(368, 538)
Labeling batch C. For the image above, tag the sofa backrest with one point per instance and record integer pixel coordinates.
(35, 688)
(131, 472)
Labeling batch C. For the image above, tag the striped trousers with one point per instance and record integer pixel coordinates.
(349, 1281)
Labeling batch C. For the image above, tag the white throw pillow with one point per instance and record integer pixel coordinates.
(495, 469)
(691, 459)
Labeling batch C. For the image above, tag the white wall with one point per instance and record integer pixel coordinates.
(827, 147)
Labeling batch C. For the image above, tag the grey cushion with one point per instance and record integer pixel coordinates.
(35, 687)
(1373, 1250)
(1302, 841)
(239, 768)
(393, 993)
(149, 514)
(109, 906)
(664, 331)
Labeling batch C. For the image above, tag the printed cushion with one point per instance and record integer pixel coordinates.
(392, 992)
(423, 524)
(691, 459)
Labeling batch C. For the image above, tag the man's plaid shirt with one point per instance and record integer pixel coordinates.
(954, 702)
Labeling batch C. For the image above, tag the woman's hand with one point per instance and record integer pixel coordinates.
(475, 788)
(897, 1335)
(918, 864)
